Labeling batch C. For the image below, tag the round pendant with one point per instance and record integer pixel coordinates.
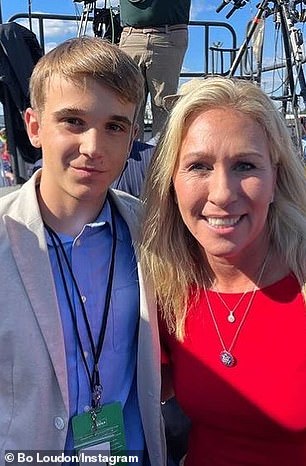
(231, 318)
(227, 359)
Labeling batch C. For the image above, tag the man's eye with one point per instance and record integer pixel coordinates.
(73, 121)
(244, 166)
(115, 127)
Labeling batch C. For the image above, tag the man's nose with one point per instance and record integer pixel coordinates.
(92, 143)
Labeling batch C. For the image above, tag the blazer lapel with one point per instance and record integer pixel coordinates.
(30, 252)
(128, 214)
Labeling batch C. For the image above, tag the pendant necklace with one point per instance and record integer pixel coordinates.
(226, 356)
(231, 317)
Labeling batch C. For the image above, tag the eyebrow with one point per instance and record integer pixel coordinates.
(122, 119)
(74, 111)
(207, 155)
(247, 156)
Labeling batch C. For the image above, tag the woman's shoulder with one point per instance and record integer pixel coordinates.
(286, 283)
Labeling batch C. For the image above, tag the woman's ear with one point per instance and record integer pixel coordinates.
(32, 123)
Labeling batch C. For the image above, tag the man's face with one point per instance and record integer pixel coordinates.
(85, 134)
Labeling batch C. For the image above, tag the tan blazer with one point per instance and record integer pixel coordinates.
(33, 379)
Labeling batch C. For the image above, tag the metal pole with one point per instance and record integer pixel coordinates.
(30, 14)
(250, 33)
(1, 21)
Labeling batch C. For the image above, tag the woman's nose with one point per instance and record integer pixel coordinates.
(223, 187)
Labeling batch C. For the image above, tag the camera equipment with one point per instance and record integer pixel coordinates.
(106, 24)
(237, 4)
(285, 15)
(222, 5)
(106, 21)
(88, 8)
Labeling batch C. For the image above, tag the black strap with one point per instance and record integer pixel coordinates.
(94, 377)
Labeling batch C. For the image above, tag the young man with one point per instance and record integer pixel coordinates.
(78, 336)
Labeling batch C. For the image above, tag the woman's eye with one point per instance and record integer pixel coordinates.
(244, 166)
(198, 166)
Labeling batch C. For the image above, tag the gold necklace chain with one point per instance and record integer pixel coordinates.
(226, 356)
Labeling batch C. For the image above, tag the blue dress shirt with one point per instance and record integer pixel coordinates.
(89, 255)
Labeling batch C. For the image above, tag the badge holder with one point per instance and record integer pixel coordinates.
(100, 431)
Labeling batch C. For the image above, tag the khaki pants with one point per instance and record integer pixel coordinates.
(160, 56)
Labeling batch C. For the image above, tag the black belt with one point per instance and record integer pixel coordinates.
(155, 29)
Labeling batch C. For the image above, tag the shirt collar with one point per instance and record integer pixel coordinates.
(104, 218)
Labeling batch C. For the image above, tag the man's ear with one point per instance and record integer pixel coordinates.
(32, 125)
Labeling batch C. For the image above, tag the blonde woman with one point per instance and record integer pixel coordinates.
(224, 242)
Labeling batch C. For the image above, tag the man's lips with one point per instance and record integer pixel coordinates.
(88, 169)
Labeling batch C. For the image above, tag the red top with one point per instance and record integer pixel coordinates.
(255, 412)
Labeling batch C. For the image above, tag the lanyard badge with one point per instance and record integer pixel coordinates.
(99, 431)
(101, 428)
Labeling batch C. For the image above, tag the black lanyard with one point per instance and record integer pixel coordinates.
(94, 378)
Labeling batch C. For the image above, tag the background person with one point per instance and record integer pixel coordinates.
(7, 176)
(132, 179)
(224, 242)
(155, 35)
(78, 327)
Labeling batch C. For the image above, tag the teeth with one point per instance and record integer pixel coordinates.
(221, 222)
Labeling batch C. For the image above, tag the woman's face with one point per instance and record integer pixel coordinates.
(224, 182)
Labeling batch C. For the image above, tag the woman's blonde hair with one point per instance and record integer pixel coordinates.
(81, 58)
(169, 253)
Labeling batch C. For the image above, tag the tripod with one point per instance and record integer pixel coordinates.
(286, 16)
(106, 22)
(87, 9)
(293, 41)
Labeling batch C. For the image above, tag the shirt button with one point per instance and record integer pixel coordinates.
(78, 242)
(59, 423)
(86, 354)
(84, 299)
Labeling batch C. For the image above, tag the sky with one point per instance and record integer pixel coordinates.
(201, 10)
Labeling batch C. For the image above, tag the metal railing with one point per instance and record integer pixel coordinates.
(207, 26)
